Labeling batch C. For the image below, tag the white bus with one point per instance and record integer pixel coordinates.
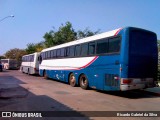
(10, 64)
(30, 64)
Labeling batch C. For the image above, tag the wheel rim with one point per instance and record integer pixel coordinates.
(84, 81)
(72, 80)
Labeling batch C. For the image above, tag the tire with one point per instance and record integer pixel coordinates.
(83, 82)
(72, 80)
(45, 75)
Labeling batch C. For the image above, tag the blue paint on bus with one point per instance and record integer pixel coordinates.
(136, 62)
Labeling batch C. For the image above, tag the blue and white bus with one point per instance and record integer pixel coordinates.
(121, 59)
(30, 63)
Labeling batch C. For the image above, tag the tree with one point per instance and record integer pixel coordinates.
(2, 57)
(39, 46)
(32, 48)
(86, 33)
(15, 53)
(49, 39)
(64, 34)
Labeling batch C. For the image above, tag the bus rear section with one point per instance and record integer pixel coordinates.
(142, 60)
(10, 64)
(30, 63)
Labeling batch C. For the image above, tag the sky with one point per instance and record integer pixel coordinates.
(33, 18)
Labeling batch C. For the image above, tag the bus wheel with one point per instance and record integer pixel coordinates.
(45, 75)
(72, 80)
(83, 81)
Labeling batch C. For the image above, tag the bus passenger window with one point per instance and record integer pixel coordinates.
(62, 52)
(44, 55)
(102, 46)
(48, 54)
(114, 45)
(67, 51)
(77, 50)
(32, 58)
(92, 48)
(71, 54)
(84, 49)
(52, 54)
(58, 53)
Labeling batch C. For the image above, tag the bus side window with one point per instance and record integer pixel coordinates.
(72, 49)
(84, 49)
(48, 55)
(45, 55)
(77, 50)
(58, 53)
(62, 52)
(32, 58)
(102, 46)
(91, 48)
(114, 45)
(52, 54)
(67, 51)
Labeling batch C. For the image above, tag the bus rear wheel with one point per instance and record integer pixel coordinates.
(72, 80)
(83, 81)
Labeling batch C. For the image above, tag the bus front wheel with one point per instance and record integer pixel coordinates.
(72, 80)
(83, 81)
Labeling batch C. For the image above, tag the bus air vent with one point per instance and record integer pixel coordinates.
(111, 80)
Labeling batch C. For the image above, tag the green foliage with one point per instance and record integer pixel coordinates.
(2, 57)
(86, 33)
(64, 34)
(39, 46)
(32, 48)
(49, 39)
(15, 53)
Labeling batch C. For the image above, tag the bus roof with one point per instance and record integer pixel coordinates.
(31, 54)
(87, 39)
